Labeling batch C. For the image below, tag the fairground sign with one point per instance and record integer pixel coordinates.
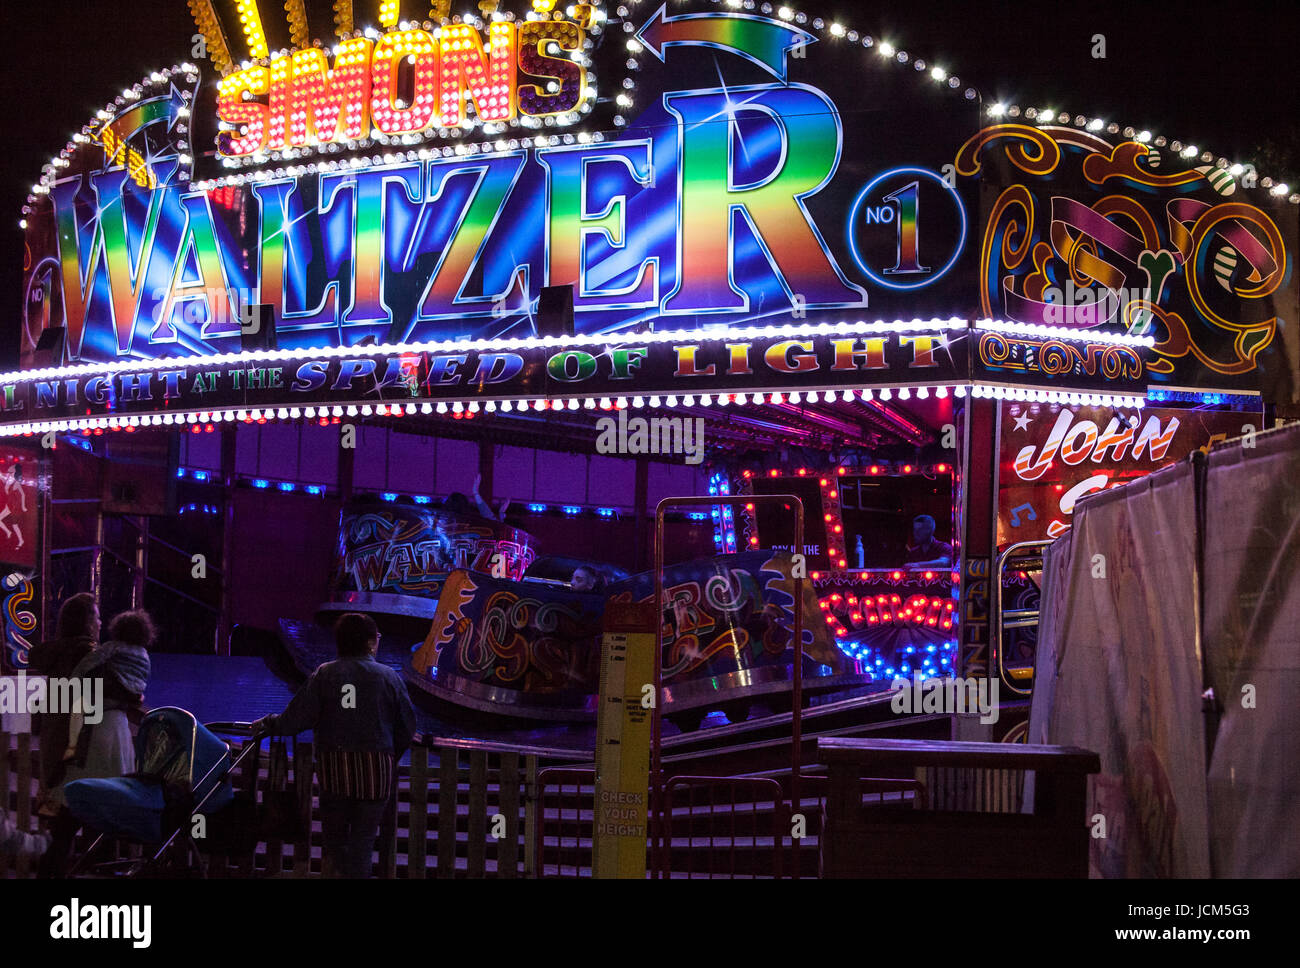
(388, 180)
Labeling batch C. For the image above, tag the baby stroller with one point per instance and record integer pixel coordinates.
(183, 772)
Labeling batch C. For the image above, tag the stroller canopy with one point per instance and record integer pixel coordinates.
(173, 747)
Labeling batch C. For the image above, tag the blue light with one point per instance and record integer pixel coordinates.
(315, 489)
(180, 472)
(423, 499)
(605, 512)
(389, 496)
(286, 487)
(699, 516)
(717, 539)
(200, 475)
(261, 483)
(571, 509)
(537, 508)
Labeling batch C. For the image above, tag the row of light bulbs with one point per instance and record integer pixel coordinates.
(1047, 116)
(489, 345)
(103, 117)
(654, 402)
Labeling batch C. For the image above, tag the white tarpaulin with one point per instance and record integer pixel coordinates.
(1252, 636)
(1117, 672)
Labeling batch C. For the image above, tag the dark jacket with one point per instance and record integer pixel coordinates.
(375, 715)
(58, 658)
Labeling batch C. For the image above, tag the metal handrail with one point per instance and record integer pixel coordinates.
(1022, 616)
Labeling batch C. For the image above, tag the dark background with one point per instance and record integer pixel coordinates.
(1222, 76)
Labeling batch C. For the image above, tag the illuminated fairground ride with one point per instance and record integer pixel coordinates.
(284, 303)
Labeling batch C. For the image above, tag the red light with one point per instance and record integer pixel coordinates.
(1060, 487)
(853, 599)
(897, 576)
(841, 471)
(835, 598)
(941, 468)
(803, 472)
(929, 575)
(907, 468)
(748, 475)
(828, 517)
(838, 529)
(754, 542)
(824, 604)
(843, 563)
(816, 575)
(773, 473)
(872, 620)
(823, 482)
(875, 469)
(835, 494)
(857, 617)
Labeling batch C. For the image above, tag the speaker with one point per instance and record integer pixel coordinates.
(261, 336)
(555, 311)
(49, 348)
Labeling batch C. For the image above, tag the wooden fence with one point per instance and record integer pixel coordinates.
(461, 809)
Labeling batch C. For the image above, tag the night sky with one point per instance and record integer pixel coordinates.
(1222, 76)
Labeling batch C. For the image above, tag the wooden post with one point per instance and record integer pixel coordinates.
(477, 826)
(531, 795)
(302, 774)
(276, 781)
(417, 844)
(508, 846)
(448, 780)
(247, 780)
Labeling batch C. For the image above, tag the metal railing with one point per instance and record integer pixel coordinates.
(739, 833)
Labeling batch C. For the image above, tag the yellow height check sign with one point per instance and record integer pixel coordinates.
(623, 741)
